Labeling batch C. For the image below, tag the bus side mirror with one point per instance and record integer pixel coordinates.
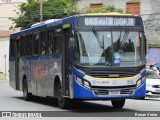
(71, 42)
(146, 45)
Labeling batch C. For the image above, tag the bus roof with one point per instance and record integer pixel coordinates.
(111, 14)
(43, 25)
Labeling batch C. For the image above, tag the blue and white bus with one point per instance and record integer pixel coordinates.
(81, 57)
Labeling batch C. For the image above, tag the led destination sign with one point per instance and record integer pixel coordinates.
(108, 21)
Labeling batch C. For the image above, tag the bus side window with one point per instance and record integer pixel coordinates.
(57, 45)
(12, 47)
(29, 45)
(23, 46)
(47, 41)
(50, 41)
(36, 44)
(57, 41)
(43, 45)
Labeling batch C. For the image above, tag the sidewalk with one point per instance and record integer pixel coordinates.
(4, 81)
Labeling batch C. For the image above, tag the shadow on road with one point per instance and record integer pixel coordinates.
(80, 106)
(152, 99)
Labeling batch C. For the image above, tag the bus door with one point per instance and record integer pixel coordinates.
(17, 55)
(66, 61)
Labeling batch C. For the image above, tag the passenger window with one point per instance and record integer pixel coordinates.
(57, 41)
(12, 47)
(42, 46)
(57, 45)
(23, 46)
(29, 45)
(36, 44)
(50, 41)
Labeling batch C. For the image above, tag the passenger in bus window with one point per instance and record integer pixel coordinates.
(130, 46)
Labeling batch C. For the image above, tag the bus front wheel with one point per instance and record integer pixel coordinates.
(62, 101)
(118, 103)
(27, 96)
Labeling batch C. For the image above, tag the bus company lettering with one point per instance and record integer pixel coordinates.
(15, 114)
(99, 82)
(34, 115)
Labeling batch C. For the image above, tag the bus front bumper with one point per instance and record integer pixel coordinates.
(83, 93)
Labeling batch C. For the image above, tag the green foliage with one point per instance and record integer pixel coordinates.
(104, 9)
(71, 9)
(53, 9)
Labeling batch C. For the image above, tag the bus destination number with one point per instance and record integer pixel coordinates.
(109, 21)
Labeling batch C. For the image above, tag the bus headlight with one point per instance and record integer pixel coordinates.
(86, 84)
(83, 82)
(79, 80)
(140, 81)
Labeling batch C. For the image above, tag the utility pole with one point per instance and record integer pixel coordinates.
(41, 9)
(5, 65)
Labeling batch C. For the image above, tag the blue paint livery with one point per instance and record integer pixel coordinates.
(77, 73)
(143, 73)
(81, 92)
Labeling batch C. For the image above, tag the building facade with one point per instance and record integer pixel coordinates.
(148, 9)
(8, 9)
(4, 54)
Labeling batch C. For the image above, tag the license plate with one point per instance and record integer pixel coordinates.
(114, 92)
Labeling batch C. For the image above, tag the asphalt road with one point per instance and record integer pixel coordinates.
(12, 100)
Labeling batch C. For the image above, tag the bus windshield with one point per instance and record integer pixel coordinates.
(108, 48)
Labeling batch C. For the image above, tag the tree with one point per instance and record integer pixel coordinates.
(103, 9)
(53, 9)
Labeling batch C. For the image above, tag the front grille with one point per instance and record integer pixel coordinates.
(110, 74)
(113, 87)
(127, 91)
(102, 91)
(156, 86)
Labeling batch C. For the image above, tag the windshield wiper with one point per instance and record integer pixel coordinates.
(125, 36)
(101, 43)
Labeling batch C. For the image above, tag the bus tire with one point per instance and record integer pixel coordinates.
(62, 102)
(142, 98)
(27, 96)
(118, 103)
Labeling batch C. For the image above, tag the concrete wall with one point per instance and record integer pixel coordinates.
(7, 10)
(4, 50)
(150, 12)
(117, 3)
